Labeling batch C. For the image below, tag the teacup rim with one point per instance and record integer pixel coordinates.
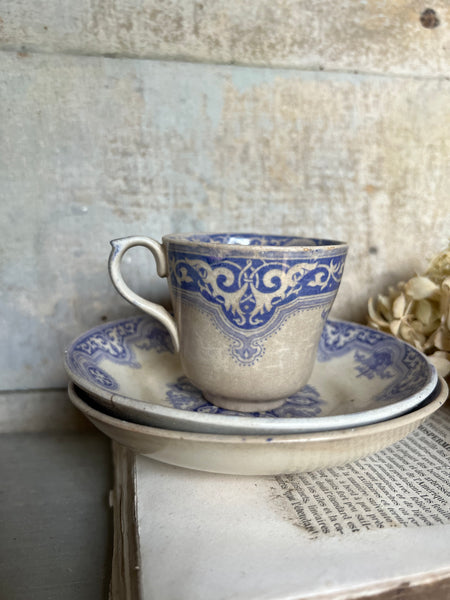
(319, 242)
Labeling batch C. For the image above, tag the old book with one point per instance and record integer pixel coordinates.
(379, 526)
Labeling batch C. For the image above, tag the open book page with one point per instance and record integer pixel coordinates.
(404, 485)
(369, 526)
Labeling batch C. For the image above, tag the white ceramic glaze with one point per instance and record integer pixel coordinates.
(257, 455)
(248, 309)
(361, 376)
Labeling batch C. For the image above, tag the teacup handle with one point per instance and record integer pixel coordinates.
(119, 248)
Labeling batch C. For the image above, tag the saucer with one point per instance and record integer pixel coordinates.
(257, 454)
(361, 376)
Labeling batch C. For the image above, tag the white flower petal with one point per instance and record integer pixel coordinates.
(384, 301)
(442, 339)
(394, 326)
(374, 316)
(424, 311)
(410, 335)
(442, 363)
(420, 287)
(398, 306)
(428, 314)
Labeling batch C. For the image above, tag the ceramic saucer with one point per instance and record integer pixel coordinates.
(256, 454)
(361, 376)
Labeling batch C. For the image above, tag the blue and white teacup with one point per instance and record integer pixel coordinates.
(248, 309)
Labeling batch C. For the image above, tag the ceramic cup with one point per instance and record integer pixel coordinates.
(248, 309)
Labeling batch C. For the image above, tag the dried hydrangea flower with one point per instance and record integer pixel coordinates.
(418, 312)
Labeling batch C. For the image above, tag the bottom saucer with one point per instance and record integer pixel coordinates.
(257, 454)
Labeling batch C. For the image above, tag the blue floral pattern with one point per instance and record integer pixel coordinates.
(250, 291)
(372, 355)
(114, 343)
(375, 354)
(183, 395)
(249, 298)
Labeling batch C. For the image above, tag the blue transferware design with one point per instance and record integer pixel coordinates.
(250, 291)
(248, 299)
(371, 355)
(114, 343)
(375, 354)
(184, 396)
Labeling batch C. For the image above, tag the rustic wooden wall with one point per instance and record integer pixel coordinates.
(146, 117)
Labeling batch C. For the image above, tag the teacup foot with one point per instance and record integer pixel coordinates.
(243, 405)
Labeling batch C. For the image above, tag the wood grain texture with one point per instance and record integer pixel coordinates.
(93, 149)
(372, 36)
(126, 560)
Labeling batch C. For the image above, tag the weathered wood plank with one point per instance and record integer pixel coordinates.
(376, 37)
(125, 572)
(94, 149)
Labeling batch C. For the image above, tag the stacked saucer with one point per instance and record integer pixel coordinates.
(367, 391)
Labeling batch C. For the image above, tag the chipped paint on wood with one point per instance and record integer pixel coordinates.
(93, 149)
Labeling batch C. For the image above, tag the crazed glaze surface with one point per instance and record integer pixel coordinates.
(249, 297)
(248, 309)
(361, 376)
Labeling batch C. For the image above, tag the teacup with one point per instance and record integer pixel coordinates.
(248, 309)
